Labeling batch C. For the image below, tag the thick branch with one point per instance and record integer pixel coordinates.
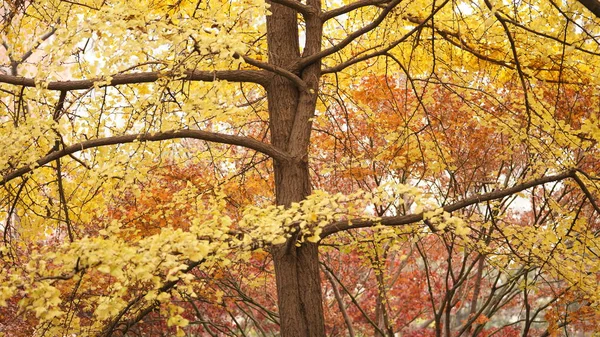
(592, 5)
(351, 37)
(277, 70)
(150, 137)
(254, 76)
(413, 218)
(301, 8)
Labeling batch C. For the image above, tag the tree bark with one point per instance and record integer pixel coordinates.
(290, 111)
(592, 5)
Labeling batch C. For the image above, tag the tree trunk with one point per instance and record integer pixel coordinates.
(299, 291)
(384, 328)
(290, 111)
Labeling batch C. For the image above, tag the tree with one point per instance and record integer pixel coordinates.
(141, 141)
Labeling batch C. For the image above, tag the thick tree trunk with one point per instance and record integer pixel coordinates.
(299, 291)
(290, 111)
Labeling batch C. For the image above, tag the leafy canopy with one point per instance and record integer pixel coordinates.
(459, 138)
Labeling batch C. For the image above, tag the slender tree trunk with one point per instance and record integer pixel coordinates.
(290, 112)
(381, 312)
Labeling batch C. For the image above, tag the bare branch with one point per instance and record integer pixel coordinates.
(412, 218)
(254, 76)
(352, 298)
(42, 38)
(340, 301)
(250, 143)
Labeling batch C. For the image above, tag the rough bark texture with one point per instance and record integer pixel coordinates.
(290, 110)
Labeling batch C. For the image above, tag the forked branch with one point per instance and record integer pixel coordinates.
(348, 39)
(384, 51)
(301, 8)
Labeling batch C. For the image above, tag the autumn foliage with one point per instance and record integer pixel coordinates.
(317, 168)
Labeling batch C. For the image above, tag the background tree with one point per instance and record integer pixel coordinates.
(158, 154)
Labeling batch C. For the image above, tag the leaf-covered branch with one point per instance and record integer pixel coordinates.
(150, 137)
(412, 218)
(117, 324)
(252, 76)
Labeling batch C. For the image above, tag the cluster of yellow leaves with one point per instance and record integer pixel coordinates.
(170, 31)
(565, 249)
(444, 221)
(117, 266)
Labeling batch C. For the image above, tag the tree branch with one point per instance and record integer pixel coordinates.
(42, 38)
(254, 76)
(592, 5)
(384, 51)
(351, 37)
(250, 143)
(513, 48)
(350, 7)
(301, 8)
(412, 218)
(275, 69)
(456, 40)
(352, 298)
(586, 191)
(117, 324)
(340, 301)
